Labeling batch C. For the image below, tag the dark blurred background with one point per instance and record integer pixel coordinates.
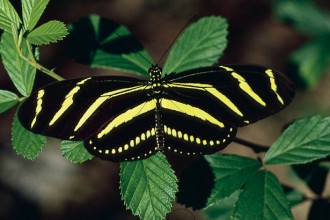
(52, 188)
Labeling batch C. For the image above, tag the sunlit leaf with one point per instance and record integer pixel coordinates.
(21, 73)
(199, 45)
(8, 16)
(148, 187)
(305, 140)
(32, 11)
(47, 33)
(26, 143)
(75, 151)
(7, 100)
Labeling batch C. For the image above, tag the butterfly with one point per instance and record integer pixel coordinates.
(194, 112)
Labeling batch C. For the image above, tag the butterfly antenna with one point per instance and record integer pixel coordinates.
(176, 37)
(135, 50)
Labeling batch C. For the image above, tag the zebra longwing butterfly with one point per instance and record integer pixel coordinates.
(194, 112)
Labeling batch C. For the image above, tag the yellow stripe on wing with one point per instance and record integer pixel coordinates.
(68, 101)
(190, 110)
(104, 97)
(273, 85)
(128, 116)
(211, 90)
(247, 88)
(41, 93)
(244, 85)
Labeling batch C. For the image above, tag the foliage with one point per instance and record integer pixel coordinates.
(148, 187)
(25, 142)
(311, 60)
(75, 151)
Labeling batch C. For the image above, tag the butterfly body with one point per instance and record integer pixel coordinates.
(190, 113)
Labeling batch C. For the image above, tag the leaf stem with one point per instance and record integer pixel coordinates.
(255, 147)
(31, 59)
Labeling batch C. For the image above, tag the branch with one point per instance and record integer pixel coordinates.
(255, 147)
(31, 60)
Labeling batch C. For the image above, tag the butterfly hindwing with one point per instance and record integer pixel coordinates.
(130, 135)
(238, 95)
(189, 130)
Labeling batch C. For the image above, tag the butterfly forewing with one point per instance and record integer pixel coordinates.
(75, 109)
(237, 95)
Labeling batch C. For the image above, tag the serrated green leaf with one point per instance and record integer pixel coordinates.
(21, 73)
(304, 15)
(199, 45)
(148, 187)
(311, 69)
(231, 173)
(50, 32)
(8, 16)
(223, 209)
(102, 43)
(26, 143)
(262, 198)
(306, 140)
(32, 11)
(127, 62)
(75, 151)
(7, 100)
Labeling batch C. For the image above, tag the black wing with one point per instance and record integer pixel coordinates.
(190, 130)
(81, 109)
(201, 108)
(237, 95)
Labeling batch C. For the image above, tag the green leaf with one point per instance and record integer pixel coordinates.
(294, 196)
(50, 32)
(311, 60)
(304, 15)
(25, 142)
(7, 100)
(262, 198)
(231, 173)
(8, 16)
(75, 151)
(306, 140)
(32, 11)
(223, 209)
(148, 187)
(199, 45)
(102, 43)
(21, 73)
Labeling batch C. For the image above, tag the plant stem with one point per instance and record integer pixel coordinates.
(31, 60)
(255, 147)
